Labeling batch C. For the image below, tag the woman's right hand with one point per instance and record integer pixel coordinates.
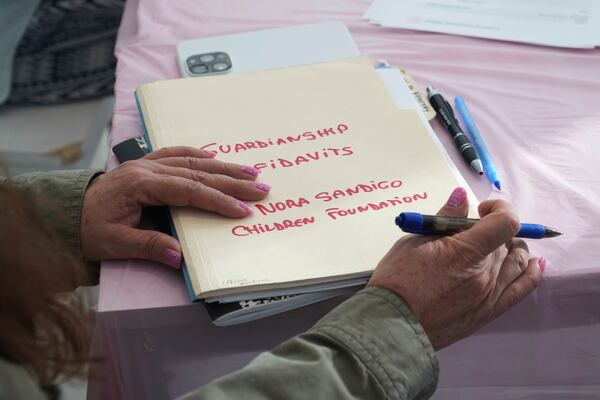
(456, 284)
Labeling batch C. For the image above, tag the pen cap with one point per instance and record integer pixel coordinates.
(532, 231)
(410, 221)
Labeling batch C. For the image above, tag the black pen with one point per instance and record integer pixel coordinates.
(445, 115)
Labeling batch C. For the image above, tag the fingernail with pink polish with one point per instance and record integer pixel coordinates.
(457, 198)
(263, 186)
(211, 153)
(249, 170)
(247, 209)
(542, 264)
(172, 258)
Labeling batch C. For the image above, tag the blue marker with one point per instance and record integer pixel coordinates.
(482, 151)
(435, 225)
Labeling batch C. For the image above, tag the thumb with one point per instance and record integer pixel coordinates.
(150, 245)
(457, 204)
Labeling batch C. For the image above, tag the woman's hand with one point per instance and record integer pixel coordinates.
(175, 176)
(457, 284)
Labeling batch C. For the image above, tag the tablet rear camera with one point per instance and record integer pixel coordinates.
(220, 66)
(207, 58)
(209, 63)
(199, 69)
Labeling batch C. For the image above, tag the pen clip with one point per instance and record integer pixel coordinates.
(449, 108)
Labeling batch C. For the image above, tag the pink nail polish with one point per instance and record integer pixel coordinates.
(246, 208)
(263, 186)
(457, 198)
(211, 153)
(172, 258)
(542, 264)
(249, 170)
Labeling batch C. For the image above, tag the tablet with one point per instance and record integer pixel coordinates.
(266, 49)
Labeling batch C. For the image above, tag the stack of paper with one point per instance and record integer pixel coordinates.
(574, 23)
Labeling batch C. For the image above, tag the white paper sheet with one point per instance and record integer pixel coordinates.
(573, 23)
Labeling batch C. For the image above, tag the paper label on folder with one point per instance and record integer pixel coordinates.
(418, 95)
(341, 158)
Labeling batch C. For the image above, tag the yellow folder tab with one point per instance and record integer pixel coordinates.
(342, 161)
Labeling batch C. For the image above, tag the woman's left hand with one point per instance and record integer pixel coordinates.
(175, 176)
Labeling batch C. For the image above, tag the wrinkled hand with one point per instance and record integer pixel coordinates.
(457, 284)
(176, 176)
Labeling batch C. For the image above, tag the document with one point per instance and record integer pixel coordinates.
(342, 159)
(573, 23)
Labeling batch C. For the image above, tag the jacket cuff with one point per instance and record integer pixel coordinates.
(384, 334)
(58, 196)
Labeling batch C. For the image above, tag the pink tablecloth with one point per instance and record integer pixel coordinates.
(538, 109)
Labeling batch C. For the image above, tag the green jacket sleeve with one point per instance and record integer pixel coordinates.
(369, 347)
(58, 195)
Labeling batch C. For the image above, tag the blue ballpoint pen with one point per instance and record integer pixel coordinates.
(436, 225)
(488, 166)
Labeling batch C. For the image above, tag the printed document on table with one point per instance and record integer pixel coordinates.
(545, 22)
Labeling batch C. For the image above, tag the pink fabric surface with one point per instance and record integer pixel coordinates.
(537, 109)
